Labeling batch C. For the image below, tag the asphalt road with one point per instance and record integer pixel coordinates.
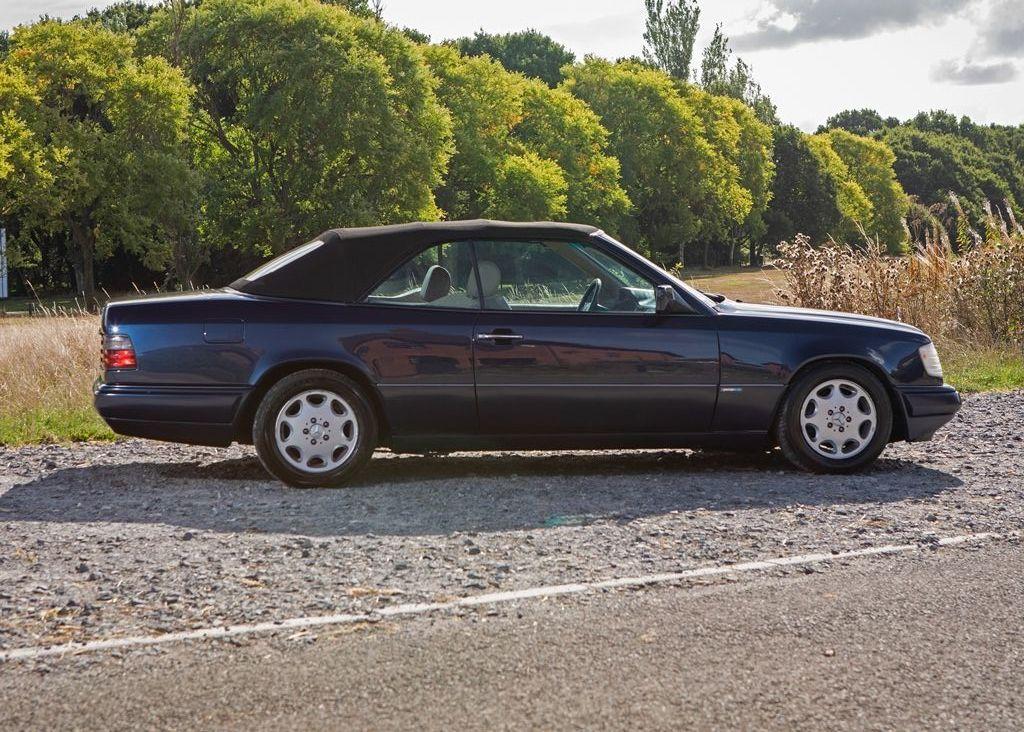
(928, 640)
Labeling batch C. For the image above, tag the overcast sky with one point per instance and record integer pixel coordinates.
(814, 57)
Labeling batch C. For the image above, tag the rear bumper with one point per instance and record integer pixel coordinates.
(928, 409)
(193, 415)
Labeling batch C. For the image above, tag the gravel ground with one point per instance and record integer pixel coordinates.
(100, 540)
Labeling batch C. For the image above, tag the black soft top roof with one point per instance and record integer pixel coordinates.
(351, 261)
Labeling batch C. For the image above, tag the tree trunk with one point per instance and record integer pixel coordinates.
(706, 247)
(682, 254)
(85, 244)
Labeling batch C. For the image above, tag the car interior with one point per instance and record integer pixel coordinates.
(548, 276)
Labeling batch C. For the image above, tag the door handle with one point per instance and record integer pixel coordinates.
(498, 337)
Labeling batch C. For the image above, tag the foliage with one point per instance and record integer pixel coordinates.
(869, 197)
(334, 123)
(529, 188)
(744, 146)
(932, 164)
(670, 35)
(681, 185)
(126, 16)
(509, 128)
(863, 122)
(529, 52)
(736, 81)
(804, 195)
(113, 129)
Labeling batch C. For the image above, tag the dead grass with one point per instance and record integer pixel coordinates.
(47, 367)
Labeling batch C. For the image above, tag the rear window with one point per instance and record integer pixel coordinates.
(285, 259)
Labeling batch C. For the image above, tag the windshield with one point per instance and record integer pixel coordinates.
(697, 294)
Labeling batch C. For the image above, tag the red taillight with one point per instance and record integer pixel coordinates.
(118, 352)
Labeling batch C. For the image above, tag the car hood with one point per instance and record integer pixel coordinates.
(815, 316)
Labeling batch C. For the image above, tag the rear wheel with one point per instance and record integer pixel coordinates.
(836, 418)
(314, 429)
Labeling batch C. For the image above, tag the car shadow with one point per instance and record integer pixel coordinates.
(416, 496)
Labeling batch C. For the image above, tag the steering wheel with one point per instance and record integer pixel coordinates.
(590, 296)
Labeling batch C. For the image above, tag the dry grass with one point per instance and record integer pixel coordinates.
(745, 284)
(47, 366)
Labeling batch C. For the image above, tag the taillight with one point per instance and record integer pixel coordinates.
(118, 352)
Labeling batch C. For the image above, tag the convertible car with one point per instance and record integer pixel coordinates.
(492, 335)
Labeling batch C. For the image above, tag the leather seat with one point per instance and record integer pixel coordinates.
(436, 284)
(490, 281)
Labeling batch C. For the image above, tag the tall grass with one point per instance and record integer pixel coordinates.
(47, 366)
(971, 299)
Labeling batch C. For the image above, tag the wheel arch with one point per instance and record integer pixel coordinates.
(899, 412)
(247, 412)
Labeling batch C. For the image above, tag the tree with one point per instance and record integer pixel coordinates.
(561, 128)
(932, 165)
(870, 196)
(681, 186)
(670, 35)
(863, 122)
(111, 129)
(803, 193)
(126, 16)
(334, 123)
(510, 129)
(528, 188)
(529, 52)
(719, 76)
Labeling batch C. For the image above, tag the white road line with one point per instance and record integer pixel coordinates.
(493, 598)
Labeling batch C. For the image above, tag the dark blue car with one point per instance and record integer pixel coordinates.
(483, 334)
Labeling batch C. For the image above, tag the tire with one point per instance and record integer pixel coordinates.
(314, 429)
(835, 418)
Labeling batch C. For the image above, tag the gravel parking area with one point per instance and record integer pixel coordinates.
(101, 540)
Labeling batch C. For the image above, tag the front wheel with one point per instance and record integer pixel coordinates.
(314, 429)
(836, 418)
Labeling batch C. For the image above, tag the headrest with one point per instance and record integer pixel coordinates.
(436, 284)
(490, 279)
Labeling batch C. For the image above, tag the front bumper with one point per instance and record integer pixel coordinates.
(189, 414)
(927, 409)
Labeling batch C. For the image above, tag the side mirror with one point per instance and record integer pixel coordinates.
(668, 301)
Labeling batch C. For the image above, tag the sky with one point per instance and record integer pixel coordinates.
(813, 57)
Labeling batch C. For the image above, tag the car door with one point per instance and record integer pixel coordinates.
(415, 337)
(544, 366)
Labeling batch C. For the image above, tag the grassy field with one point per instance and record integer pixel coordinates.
(48, 365)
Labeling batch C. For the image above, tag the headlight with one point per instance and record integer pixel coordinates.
(930, 359)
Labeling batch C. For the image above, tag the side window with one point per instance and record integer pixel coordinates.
(559, 276)
(438, 277)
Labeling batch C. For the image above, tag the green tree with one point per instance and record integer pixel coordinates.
(561, 128)
(720, 76)
(333, 123)
(529, 52)
(670, 35)
(681, 186)
(869, 194)
(744, 146)
(529, 188)
(803, 193)
(509, 129)
(932, 165)
(126, 16)
(864, 122)
(112, 128)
